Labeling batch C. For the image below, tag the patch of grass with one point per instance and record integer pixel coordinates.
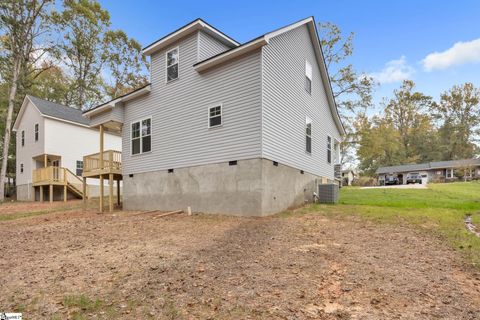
(82, 302)
(81, 305)
(441, 208)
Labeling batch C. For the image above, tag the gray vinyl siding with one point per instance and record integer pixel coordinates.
(179, 112)
(208, 46)
(32, 148)
(115, 114)
(286, 103)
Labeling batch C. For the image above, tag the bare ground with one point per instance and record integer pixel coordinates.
(83, 265)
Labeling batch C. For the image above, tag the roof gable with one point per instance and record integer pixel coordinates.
(264, 40)
(52, 110)
(189, 28)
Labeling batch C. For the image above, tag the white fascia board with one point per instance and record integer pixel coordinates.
(220, 36)
(21, 112)
(288, 28)
(67, 121)
(191, 27)
(231, 54)
(113, 103)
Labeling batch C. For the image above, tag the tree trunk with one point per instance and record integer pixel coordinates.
(8, 125)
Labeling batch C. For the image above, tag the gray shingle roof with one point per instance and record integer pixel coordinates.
(59, 111)
(429, 165)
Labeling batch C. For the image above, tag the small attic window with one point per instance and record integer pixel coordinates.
(308, 77)
(23, 138)
(172, 64)
(36, 132)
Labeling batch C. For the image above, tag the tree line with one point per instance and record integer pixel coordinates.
(65, 52)
(413, 128)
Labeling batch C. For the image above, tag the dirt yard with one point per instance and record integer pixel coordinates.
(83, 265)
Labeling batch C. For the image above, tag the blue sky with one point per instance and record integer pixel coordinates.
(391, 38)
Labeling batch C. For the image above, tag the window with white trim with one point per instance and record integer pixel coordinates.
(449, 173)
(329, 149)
(172, 64)
(215, 116)
(79, 168)
(21, 167)
(23, 138)
(141, 135)
(308, 135)
(36, 132)
(308, 77)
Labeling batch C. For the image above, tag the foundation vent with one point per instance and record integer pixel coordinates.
(328, 193)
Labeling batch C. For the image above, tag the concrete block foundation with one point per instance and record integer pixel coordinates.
(254, 187)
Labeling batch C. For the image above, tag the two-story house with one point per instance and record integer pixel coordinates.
(52, 140)
(223, 127)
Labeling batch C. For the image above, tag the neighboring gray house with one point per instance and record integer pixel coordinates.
(223, 127)
(440, 171)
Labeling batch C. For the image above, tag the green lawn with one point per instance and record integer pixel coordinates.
(440, 209)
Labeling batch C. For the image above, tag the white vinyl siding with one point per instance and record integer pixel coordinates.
(179, 113)
(31, 149)
(209, 46)
(284, 99)
(115, 114)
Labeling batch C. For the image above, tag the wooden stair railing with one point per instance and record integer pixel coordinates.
(59, 176)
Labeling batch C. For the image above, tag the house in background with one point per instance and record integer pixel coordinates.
(223, 127)
(347, 177)
(52, 140)
(440, 171)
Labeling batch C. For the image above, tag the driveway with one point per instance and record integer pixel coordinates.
(402, 186)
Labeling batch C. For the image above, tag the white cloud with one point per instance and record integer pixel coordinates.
(460, 53)
(394, 71)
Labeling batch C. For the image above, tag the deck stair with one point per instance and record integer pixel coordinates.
(58, 176)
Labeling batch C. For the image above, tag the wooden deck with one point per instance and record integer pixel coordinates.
(108, 162)
(58, 176)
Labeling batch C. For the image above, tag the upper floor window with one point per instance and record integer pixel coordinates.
(308, 135)
(172, 64)
(142, 136)
(79, 168)
(23, 138)
(21, 167)
(215, 116)
(329, 149)
(308, 77)
(36, 132)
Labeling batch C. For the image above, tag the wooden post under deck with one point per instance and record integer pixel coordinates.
(101, 167)
(84, 194)
(110, 195)
(51, 193)
(65, 185)
(118, 192)
(41, 193)
(101, 193)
